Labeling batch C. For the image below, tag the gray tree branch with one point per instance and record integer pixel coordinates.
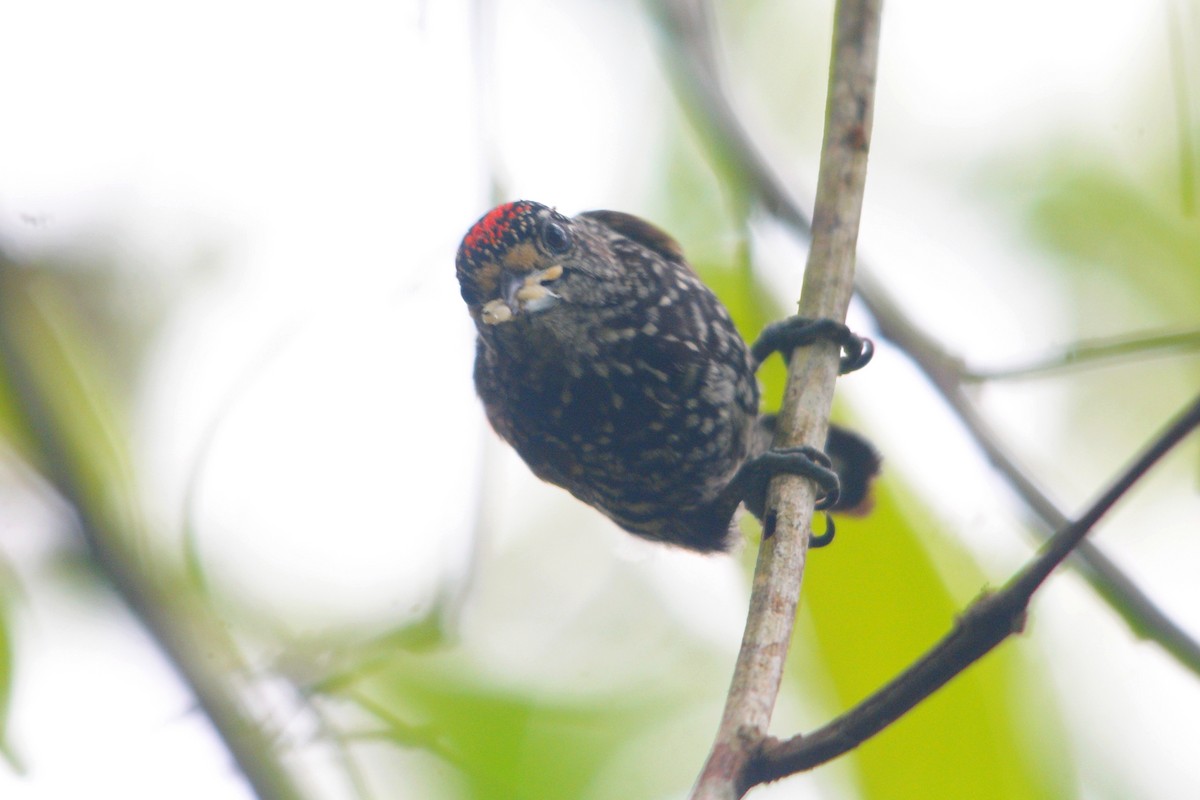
(808, 398)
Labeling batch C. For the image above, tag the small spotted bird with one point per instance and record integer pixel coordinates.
(616, 374)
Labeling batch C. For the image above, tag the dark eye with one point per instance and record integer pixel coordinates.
(555, 238)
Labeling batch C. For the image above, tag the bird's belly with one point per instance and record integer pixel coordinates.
(633, 448)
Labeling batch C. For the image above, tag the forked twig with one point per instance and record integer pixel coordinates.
(808, 398)
(986, 623)
(993, 617)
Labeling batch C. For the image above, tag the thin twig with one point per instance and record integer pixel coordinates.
(1106, 578)
(808, 398)
(1093, 352)
(690, 59)
(988, 621)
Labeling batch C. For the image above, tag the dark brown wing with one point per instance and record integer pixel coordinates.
(637, 229)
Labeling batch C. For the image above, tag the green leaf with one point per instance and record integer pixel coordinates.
(873, 602)
(1112, 227)
(59, 408)
(513, 743)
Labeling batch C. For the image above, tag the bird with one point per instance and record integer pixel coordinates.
(615, 373)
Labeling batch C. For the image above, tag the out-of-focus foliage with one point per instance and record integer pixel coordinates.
(513, 742)
(1125, 242)
(56, 416)
(1110, 226)
(61, 393)
(875, 602)
(622, 705)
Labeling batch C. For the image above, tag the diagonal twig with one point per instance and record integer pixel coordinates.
(195, 644)
(1107, 579)
(986, 623)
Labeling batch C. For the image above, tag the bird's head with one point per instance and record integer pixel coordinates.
(513, 261)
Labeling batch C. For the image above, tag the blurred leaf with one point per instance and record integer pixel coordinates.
(59, 412)
(511, 743)
(609, 695)
(56, 414)
(1109, 225)
(700, 202)
(1128, 247)
(876, 600)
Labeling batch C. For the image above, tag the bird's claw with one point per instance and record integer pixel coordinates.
(807, 462)
(825, 538)
(786, 335)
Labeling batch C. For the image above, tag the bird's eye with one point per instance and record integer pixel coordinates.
(555, 238)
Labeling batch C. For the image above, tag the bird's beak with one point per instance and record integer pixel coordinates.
(533, 295)
(510, 287)
(522, 293)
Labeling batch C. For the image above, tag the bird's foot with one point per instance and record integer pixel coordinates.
(786, 335)
(807, 462)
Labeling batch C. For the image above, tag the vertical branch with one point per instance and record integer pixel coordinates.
(804, 418)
